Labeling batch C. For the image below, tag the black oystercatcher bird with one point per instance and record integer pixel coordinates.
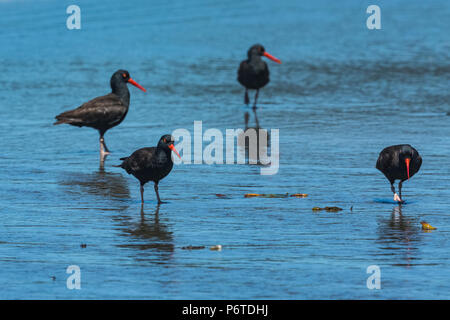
(253, 73)
(399, 162)
(151, 164)
(105, 112)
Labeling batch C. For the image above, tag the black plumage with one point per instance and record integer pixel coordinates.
(399, 162)
(105, 112)
(253, 73)
(151, 164)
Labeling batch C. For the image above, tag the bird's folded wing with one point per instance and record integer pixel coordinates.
(105, 109)
(243, 68)
(384, 161)
(142, 159)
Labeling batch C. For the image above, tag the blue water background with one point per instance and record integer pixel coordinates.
(342, 93)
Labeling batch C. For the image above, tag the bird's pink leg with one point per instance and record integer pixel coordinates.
(157, 193)
(256, 99)
(396, 197)
(103, 149)
(246, 99)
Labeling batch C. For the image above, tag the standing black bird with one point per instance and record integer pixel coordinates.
(151, 164)
(399, 162)
(253, 73)
(105, 112)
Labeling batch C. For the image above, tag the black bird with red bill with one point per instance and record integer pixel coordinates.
(105, 112)
(151, 164)
(253, 73)
(399, 162)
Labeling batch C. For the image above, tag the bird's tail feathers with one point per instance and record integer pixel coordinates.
(72, 121)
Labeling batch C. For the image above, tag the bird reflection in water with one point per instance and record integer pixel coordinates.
(101, 183)
(400, 236)
(255, 141)
(149, 234)
(102, 161)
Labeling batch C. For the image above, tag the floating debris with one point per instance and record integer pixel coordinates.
(427, 226)
(333, 209)
(266, 195)
(299, 195)
(83, 245)
(263, 195)
(222, 196)
(193, 247)
(53, 278)
(328, 209)
(216, 248)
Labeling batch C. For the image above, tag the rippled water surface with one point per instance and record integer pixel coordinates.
(342, 94)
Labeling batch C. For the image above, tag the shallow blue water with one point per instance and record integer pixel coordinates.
(342, 94)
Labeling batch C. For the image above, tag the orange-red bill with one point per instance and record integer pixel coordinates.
(174, 150)
(271, 57)
(134, 83)
(407, 161)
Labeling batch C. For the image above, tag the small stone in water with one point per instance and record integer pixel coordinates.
(217, 247)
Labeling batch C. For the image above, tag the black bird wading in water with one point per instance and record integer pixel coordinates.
(105, 112)
(151, 164)
(253, 73)
(399, 162)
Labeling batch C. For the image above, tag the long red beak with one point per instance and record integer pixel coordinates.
(271, 57)
(174, 150)
(134, 83)
(407, 161)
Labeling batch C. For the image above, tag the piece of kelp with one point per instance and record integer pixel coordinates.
(266, 195)
(427, 226)
(193, 247)
(274, 195)
(328, 209)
